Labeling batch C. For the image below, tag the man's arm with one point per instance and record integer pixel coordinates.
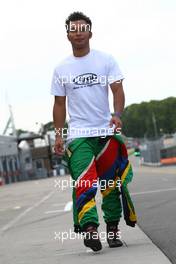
(59, 115)
(59, 112)
(119, 103)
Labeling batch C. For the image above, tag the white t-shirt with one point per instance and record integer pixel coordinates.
(85, 80)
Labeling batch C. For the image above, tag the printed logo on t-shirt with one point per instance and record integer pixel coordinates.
(86, 79)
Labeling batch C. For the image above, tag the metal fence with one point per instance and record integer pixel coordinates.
(151, 151)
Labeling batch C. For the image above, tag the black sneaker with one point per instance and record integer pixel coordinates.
(113, 235)
(91, 238)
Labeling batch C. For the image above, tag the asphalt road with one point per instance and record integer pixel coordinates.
(34, 215)
(154, 194)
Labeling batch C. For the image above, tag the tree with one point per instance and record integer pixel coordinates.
(149, 119)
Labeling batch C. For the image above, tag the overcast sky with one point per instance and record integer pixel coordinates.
(140, 34)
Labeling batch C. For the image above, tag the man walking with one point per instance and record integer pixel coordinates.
(94, 152)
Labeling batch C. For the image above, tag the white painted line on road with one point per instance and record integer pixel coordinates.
(16, 219)
(17, 207)
(75, 252)
(58, 204)
(68, 206)
(78, 252)
(89, 250)
(154, 191)
(54, 211)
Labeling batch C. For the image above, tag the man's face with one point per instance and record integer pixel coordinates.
(79, 34)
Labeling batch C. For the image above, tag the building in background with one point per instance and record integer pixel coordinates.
(9, 160)
(27, 155)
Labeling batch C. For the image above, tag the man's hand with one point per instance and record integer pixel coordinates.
(117, 122)
(59, 145)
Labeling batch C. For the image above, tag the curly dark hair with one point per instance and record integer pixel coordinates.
(77, 16)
